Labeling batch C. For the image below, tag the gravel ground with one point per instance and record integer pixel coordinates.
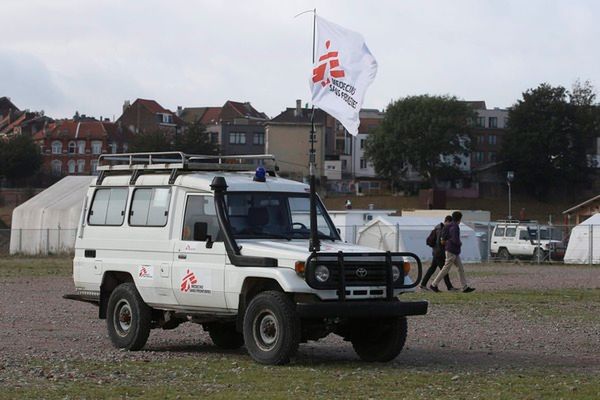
(36, 323)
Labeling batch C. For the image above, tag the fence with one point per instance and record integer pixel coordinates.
(37, 241)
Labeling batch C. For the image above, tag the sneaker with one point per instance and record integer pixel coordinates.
(452, 289)
(423, 287)
(434, 288)
(468, 289)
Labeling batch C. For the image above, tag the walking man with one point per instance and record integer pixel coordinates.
(452, 244)
(439, 256)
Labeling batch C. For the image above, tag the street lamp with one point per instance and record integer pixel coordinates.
(510, 175)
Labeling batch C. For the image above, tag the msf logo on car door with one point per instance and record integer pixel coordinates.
(190, 284)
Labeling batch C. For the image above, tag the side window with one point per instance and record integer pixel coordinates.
(499, 232)
(200, 209)
(108, 206)
(150, 207)
(523, 235)
(511, 232)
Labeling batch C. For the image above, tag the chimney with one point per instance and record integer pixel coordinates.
(298, 111)
(126, 105)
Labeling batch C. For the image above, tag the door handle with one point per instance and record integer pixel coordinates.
(182, 256)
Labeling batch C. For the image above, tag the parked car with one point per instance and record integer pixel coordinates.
(526, 239)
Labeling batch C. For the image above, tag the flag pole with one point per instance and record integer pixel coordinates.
(314, 243)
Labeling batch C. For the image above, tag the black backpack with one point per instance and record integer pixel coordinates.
(431, 238)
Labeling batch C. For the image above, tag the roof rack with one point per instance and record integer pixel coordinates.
(176, 161)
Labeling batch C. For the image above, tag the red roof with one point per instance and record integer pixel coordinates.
(69, 129)
(211, 116)
(152, 106)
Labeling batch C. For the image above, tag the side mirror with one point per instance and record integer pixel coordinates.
(201, 234)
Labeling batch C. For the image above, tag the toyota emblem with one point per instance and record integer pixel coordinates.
(361, 272)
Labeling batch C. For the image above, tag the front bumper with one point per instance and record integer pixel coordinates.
(361, 309)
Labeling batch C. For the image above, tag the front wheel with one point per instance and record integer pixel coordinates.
(128, 318)
(379, 340)
(271, 328)
(539, 255)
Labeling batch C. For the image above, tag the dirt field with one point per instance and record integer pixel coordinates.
(523, 320)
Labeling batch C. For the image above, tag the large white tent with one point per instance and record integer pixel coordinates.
(584, 242)
(408, 234)
(47, 223)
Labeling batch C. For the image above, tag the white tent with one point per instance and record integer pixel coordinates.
(47, 223)
(584, 239)
(410, 233)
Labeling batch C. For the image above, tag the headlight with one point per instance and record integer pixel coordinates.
(322, 273)
(395, 272)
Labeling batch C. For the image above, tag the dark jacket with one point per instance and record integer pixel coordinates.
(451, 235)
(438, 249)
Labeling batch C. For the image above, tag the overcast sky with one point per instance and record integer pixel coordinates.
(90, 56)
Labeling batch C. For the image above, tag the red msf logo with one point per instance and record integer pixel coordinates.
(143, 272)
(329, 62)
(188, 280)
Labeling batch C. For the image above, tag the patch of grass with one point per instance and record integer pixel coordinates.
(555, 303)
(14, 267)
(237, 377)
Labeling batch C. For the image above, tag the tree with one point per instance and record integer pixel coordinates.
(149, 142)
(549, 130)
(418, 131)
(19, 157)
(195, 140)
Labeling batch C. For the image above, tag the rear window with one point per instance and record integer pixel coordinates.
(108, 207)
(150, 207)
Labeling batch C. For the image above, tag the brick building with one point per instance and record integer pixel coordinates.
(71, 147)
(147, 116)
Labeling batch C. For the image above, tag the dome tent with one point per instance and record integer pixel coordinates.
(47, 223)
(410, 233)
(584, 242)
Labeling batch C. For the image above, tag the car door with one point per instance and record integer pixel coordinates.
(199, 259)
(511, 240)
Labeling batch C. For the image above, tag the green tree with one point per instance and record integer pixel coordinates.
(417, 131)
(149, 142)
(549, 132)
(195, 140)
(19, 158)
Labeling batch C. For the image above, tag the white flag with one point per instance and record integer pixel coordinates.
(344, 68)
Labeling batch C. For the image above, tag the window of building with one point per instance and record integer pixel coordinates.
(362, 143)
(56, 147)
(94, 167)
(492, 156)
(493, 122)
(492, 140)
(108, 207)
(344, 164)
(479, 156)
(80, 166)
(96, 147)
(56, 168)
(258, 138)
(363, 163)
(41, 149)
(200, 209)
(125, 147)
(71, 166)
(480, 139)
(81, 147)
(72, 147)
(150, 207)
(480, 122)
(237, 138)
(113, 147)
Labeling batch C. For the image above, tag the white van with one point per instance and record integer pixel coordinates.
(167, 238)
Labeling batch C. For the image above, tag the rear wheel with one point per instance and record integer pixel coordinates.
(128, 318)
(503, 254)
(539, 255)
(271, 328)
(225, 336)
(379, 340)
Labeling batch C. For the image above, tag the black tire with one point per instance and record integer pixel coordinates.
(379, 340)
(539, 256)
(128, 318)
(503, 254)
(225, 336)
(271, 328)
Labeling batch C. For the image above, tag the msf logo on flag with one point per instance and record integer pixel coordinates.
(329, 63)
(188, 280)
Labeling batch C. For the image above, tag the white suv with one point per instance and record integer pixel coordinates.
(167, 238)
(521, 239)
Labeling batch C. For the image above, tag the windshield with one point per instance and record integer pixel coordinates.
(546, 234)
(275, 215)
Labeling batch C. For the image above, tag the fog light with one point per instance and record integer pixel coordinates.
(322, 273)
(395, 272)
